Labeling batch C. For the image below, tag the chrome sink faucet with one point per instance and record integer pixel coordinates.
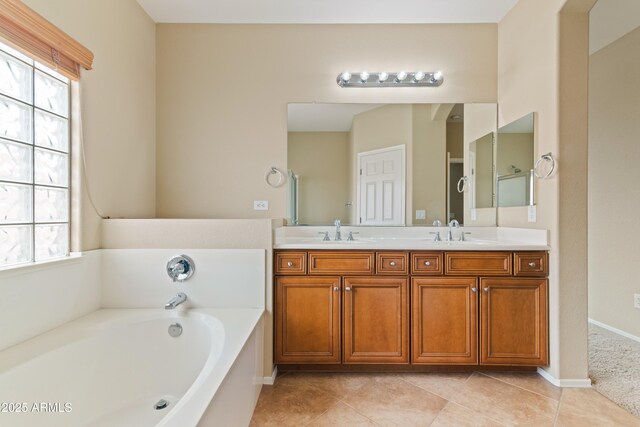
(452, 223)
(337, 223)
(175, 301)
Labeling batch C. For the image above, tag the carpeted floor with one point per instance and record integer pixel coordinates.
(614, 367)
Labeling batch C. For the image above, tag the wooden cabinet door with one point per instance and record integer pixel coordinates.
(376, 317)
(444, 320)
(307, 311)
(514, 321)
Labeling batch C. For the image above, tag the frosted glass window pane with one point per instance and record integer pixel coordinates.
(15, 78)
(51, 94)
(51, 72)
(51, 168)
(15, 203)
(15, 161)
(15, 120)
(52, 204)
(51, 241)
(15, 244)
(51, 131)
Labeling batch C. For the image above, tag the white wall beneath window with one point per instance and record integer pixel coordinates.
(118, 106)
(36, 298)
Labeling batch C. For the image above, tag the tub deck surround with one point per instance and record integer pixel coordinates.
(111, 366)
(413, 238)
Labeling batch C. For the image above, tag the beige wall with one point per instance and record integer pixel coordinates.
(514, 149)
(429, 181)
(542, 68)
(614, 156)
(455, 139)
(118, 106)
(222, 94)
(321, 161)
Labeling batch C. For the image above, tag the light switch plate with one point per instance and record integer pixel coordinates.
(260, 205)
(421, 214)
(532, 214)
(636, 300)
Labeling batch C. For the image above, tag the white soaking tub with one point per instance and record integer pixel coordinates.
(111, 367)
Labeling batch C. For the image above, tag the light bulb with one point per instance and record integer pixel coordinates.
(383, 76)
(401, 76)
(364, 76)
(346, 76)
(437, 76)
(418, 76)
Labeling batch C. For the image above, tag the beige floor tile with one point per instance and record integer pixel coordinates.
(529, 381)
(442, 384)
(583, 407)
(335, 384)
(287, 404)
(391, 401)
(340, 415)
(505, 403)
(454, 415)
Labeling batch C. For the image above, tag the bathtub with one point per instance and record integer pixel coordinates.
(111, 367)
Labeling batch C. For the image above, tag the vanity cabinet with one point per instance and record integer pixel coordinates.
(411, 307)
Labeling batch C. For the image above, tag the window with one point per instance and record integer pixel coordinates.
(34, 160)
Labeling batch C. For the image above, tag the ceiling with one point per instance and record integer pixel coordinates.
(326, 11)
(611, 19)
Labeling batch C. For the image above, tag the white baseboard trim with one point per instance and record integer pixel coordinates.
(586, 383)
(614, 330)
(270, 380)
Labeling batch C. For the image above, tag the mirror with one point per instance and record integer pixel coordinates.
(515, 163)
(378, 164)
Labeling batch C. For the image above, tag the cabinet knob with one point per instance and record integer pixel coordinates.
(486, 289)
(532, 264)
(427, 263)
(337, 288)
(392, 263)
(474, 289)
(290, 264)
(348, 289)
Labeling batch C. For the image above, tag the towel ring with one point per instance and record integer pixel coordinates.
(280, 177)
(547, 158)
(462, 184)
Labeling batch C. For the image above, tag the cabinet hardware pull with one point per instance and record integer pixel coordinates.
(392, 263)
(427, 263)
(532, 264)
(337, 288)
(348, 289)
(474, 289)
(290, 264)
(486, 289)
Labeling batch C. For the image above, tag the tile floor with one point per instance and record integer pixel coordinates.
(432, 399)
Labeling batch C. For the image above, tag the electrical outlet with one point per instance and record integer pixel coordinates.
(636, 300)
(474, 215)
(260, 205)
(532, 214)
(421, 214)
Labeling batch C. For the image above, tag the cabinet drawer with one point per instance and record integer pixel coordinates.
(426, 263)
(478, 263)
(338, 262)
(530, 264)
(392, 263)
(290, 263)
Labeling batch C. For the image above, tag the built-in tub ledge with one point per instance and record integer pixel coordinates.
(413, 238)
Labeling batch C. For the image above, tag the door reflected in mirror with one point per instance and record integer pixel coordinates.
(515, 163)
(375, 164)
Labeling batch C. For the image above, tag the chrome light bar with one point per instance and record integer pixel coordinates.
(384, 79)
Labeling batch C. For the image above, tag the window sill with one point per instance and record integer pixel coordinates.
(12, 270)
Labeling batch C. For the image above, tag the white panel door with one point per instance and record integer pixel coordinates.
(381, 186)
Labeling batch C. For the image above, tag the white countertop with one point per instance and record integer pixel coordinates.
(413, 238)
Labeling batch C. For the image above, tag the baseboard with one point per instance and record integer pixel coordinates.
(614, 330)
(586, 383)
(270, 380)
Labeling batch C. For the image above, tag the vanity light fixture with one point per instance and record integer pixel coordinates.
(384, 79)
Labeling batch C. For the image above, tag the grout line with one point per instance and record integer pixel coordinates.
(364, 415)
(555, 421)
(522, 388)
(326, 410)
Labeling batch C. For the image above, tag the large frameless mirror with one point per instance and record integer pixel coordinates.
(515, 163)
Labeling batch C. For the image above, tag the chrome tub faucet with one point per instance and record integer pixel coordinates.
(175, 301)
